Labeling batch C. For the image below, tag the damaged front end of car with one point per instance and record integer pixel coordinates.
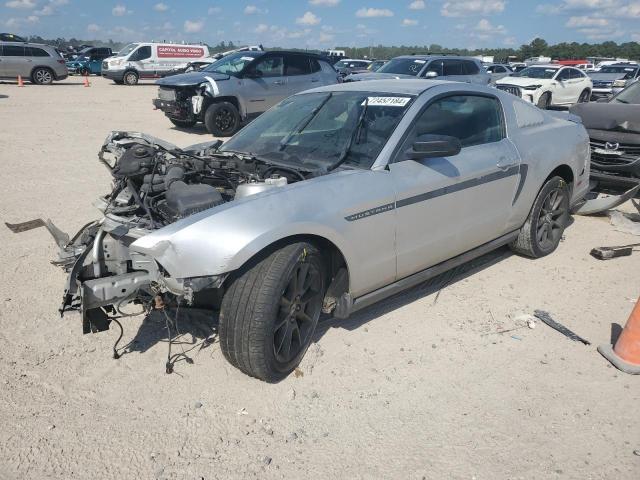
(155, 184)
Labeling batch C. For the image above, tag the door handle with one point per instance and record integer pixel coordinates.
(505, 163)
(279, 82)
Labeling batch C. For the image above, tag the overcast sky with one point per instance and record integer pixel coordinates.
(325, 23)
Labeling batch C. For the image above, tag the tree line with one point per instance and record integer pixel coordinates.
(538, 47)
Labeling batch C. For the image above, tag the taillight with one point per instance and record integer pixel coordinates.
(61, 61)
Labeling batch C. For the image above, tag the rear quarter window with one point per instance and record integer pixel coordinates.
(35, 52)
(471, 68)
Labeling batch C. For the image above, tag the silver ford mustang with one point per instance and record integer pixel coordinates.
(332, 200)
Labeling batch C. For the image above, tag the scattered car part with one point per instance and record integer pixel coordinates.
(602, 204)
(546, 318)
(607, 253)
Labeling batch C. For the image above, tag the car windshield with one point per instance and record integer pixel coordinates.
(630, 95)
(127, 50)
(403, 66)
(537, 72)
(232, 64)
(319, 130)
(617, 69)
(341, 64)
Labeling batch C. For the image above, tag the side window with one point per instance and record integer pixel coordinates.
(297, 65)
(474, 120)
(435, 66)
(453, 67)
(12, 51)
(315, 65)
(500, 69)
(35, 52)
(575, 73)
(141, 54)
(564, 74)
(271, 67)
(471, 68)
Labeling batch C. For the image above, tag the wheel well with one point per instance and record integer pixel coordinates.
(563, 171)
(335, 258)
(232, 100)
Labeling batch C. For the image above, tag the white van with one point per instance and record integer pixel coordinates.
(150, 60)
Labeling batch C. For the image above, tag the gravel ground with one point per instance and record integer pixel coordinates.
(419, 386)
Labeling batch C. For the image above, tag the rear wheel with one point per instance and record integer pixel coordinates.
(584, 96)
(222, 119)
(544, 102)
(42, 76)
(183, 123)
(542, 232)
(130, 78)
(270, 311)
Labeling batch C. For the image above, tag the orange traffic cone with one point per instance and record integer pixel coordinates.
(625, 355)
(20, 82)
(86, 81)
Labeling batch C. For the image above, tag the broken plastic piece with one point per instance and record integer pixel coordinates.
(546, 318)
(602, 204)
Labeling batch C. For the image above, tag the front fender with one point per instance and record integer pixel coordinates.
(222, 239)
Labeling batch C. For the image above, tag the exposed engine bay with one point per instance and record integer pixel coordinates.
(154, 184)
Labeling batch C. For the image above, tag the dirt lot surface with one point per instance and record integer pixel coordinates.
(420, 386)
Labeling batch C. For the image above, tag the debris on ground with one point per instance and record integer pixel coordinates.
(625, 222)
(607, 253)
(546, 318)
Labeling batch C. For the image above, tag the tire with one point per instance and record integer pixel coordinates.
(222, 119)
(584, 96)
(270, 310)
(544, 102)
(130, 78)
(42, 76)
(549, 216)
(183, 123)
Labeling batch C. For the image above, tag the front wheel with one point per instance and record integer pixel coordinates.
(222, 119)
(270, 310)
(542, 232)
(130, 78)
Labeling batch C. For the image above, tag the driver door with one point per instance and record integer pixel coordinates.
(141, 58)
(448, 206)
(264, 84)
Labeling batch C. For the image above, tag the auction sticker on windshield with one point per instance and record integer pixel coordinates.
(388, 101)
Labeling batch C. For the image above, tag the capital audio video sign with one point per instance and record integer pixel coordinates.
(177, 51)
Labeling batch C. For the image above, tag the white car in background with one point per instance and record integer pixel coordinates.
(548, 85)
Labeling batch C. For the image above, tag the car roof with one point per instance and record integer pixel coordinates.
(430, 57)
(27, 44)
(399, 87)
(295, 52)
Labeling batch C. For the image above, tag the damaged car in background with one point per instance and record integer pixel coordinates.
(614, 130)
(239, 87)
(335, 199)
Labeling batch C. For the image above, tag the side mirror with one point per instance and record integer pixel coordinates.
(432, 146)
(431, 74)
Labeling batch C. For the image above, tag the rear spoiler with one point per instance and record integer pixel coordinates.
(563, 115)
